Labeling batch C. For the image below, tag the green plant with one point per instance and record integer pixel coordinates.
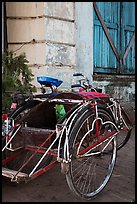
(16, 77)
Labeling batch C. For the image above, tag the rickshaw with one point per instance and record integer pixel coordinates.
(82, 130)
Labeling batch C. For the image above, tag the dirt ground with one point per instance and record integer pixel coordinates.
(52, 185)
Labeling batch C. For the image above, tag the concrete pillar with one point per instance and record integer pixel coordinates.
(84, 38)
(57, 37)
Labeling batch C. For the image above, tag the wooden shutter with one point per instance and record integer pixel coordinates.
(114, 37)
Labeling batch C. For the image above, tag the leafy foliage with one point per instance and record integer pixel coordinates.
(16, 77)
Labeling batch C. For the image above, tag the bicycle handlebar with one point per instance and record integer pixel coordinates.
(78, 74)
(23, 97)
(75, 85)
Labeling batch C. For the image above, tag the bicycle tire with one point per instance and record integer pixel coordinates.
(71, 176)
(23, 109)
(125, 131)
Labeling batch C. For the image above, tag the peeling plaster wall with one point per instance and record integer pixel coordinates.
(119, 87)
(60, 34)
(25, 9)
(60, 55)
(45, 31)
(84, 38)
(57, 38)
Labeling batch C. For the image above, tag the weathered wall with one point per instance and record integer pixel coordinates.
(45, 31)
(57, 38)
(60, 35)
(117, 86)
(84, 38)
(25, 22)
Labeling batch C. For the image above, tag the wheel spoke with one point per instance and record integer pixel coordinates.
(89, 173)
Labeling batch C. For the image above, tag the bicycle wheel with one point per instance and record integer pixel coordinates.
(125, 130)
(23, 109)
(90, 172)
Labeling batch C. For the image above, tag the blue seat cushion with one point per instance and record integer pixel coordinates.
(49, 81)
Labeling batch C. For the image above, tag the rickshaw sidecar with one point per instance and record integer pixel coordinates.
(35, 141)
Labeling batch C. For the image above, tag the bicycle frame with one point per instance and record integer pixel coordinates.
(116, 111)
(61, 129)
(85, 133)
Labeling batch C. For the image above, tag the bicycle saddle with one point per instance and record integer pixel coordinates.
(49, 81)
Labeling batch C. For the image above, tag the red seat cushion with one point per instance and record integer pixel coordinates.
(93, 94)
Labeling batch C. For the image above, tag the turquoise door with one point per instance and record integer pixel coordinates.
(114, 37)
